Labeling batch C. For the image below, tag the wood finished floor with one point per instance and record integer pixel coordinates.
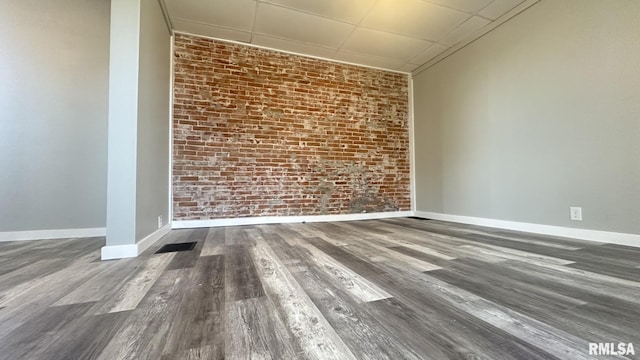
(375, 289)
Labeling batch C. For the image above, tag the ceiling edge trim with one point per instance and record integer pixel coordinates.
(475, 36)
(293, 53)
(165, 14)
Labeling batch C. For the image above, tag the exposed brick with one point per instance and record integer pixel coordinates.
(263, 133)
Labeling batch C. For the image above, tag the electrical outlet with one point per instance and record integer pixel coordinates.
(576, 213)
(159, 221)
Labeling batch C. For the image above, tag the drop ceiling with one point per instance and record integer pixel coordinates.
(399, 35)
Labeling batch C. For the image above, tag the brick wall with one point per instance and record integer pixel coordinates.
(264, 133)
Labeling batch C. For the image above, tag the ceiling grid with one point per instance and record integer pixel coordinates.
(399, 35)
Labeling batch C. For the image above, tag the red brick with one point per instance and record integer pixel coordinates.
(300, 136)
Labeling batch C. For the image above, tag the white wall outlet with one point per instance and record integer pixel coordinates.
(159, 221)
(576, 213)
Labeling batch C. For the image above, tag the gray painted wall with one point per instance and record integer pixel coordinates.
(54, 63)
(154, 94)
(139, 100)
(539, 115)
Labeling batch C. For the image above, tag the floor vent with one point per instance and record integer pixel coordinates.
(177, 247)
(417, 218)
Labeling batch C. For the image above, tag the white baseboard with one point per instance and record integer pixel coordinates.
(145, 243)
(584, 234)
(188, 224)
(112, 252)
(51, 234)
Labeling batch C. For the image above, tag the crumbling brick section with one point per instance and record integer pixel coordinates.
(263, 133)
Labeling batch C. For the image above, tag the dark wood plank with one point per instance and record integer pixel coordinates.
(26, 272)
(34, 338)
(199, 319)
(255, 331)
(214, 242)
(504, 291)
(188, 259)
(87, 337)
(621, 272)
(237, 236)
(430, 329)
(355, 263)
(242, 280)
(604, 293)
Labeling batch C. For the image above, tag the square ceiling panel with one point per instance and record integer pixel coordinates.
(391, 34)
(414, 18)
(206, 29)
(295, 25)
(236, 14)
(348, 11)
(293, 46)
(368, 60)
(385, 44)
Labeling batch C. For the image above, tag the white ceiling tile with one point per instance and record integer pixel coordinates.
(414, 18)
(384, 44)
(210, 30)
(293, 46)
(499, 8)
(391, 34)
(465, 29)
(286, 23)
(463, 5)
(236, 14)
(369, 60)
(429, 54)
(349, 11)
